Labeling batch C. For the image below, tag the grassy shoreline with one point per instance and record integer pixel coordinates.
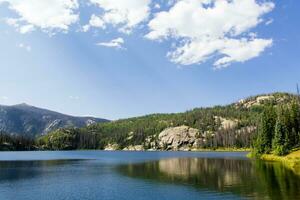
(291, 160)
(223, 149)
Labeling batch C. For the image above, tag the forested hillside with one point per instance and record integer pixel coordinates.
(238, 125)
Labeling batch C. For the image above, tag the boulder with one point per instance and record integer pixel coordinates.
(181, 138)
(111, 147)
(134, 148)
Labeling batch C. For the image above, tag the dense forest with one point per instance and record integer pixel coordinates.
(266, 122)
(278, 129)
(16, 143)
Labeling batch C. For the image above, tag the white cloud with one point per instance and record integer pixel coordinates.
(207, 29)
(242, 50)
(115, 43)
(270, 21)
(12, 22)
(157, 6)
(26, 28)
(48, 15)
(25, 46)
(124, 14)
(95, 21)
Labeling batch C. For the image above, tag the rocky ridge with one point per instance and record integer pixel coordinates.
(26, 120)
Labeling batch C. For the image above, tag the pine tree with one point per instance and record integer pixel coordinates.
(295, 120)
(266, 130)
(280, 145)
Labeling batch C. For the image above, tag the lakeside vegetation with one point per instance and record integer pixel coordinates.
(278, 129)
(291, 160)
(278, 135)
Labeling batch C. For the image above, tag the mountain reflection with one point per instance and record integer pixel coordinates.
(249, 179)
(18, 170)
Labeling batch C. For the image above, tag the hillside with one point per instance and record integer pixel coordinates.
(230, 126)
(30, 121)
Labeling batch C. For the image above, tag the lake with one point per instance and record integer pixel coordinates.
(92, 175)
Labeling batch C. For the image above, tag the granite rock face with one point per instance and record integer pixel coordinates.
(111, 147)
(179, 138)
(134, 148)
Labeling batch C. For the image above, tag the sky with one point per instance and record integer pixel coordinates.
(122, 58)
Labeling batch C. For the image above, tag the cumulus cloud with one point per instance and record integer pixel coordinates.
(95, 21)
(126, 14)
(48, 15)
(200, 30)
(207, 29)
(115, 43)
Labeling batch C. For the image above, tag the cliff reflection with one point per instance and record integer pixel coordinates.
(249, 179)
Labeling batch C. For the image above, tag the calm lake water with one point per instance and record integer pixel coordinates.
(142, 175)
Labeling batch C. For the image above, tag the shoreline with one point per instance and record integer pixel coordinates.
(147, 150)
(291, 160)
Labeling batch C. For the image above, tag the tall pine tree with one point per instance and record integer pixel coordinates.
(280, 145)
(266, 130)
(295, 121)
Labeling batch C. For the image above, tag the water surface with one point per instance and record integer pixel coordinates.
(142, 175)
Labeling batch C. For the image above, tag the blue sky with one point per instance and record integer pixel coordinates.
(129, 62)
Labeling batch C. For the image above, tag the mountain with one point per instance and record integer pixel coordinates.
(229, 126)
(26, 120)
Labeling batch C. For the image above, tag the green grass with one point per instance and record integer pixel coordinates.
(291, 160)
(220, 149)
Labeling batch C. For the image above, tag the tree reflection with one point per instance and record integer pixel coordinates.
(249, 179)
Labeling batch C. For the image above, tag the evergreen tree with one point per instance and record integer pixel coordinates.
(295, 120)
(280, 145)
(266, 130)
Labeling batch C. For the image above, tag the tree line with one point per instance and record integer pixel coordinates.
(278, 129)
(16, 143)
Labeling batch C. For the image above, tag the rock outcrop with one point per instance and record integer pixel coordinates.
(179, 138)
(111, 147)
(226, 123)
(134, 148)
(260, 100)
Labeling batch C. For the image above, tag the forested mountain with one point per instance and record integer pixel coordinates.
(232, 126)
(30, 121)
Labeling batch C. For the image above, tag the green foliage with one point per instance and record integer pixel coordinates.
(280, 145)
(266, 129)
(69, 139)
(15, 143)
(283, 132)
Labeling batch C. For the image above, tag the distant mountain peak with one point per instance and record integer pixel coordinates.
(25, 119)
(23, 104)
